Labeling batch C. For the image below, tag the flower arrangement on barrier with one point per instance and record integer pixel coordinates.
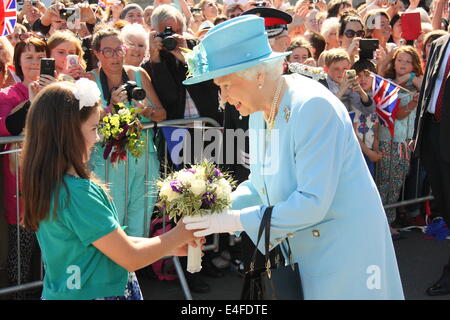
(121, 130)
(199, 190)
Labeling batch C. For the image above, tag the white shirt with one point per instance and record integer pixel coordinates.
(437, 87)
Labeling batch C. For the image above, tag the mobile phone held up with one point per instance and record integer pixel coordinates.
(367, 47)
(71, 60)
(48, 66)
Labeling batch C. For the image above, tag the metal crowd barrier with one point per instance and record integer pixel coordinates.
(170, 123)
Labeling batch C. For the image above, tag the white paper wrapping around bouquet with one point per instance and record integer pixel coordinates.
(194, 258)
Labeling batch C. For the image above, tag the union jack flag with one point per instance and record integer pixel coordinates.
(385, 95)
(8, 16)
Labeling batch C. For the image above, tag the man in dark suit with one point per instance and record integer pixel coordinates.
(432, 137)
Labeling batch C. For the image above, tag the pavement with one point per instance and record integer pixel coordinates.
(420, 263)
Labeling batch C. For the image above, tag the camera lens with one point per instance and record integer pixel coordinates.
(138, 94)
(170, 43)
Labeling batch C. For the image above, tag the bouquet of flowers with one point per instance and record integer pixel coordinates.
(202, 189)
(122, 131)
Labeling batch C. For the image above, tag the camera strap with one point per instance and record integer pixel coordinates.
(104, 83)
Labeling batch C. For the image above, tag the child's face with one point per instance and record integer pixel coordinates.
(299, 55)
(60, 53)
(89, 131)
(403, 64)
(336, 70)
(365, 80)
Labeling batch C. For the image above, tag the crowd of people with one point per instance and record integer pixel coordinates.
(120, 42)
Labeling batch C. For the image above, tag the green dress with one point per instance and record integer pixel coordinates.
(132, 184)
(74, 268)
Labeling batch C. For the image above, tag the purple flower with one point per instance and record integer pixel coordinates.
(176, 186)
(217, 173)
(209, 198)
(190, 170)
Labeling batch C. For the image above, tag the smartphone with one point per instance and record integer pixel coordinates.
(367, 47)
(71, 59)
(351, 73)
(48, 66)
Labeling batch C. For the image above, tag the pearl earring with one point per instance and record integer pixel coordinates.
(260, 87)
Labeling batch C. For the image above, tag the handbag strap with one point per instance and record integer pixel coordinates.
(268, 215)
(264, 222)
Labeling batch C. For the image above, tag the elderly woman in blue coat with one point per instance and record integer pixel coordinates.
(305, 162)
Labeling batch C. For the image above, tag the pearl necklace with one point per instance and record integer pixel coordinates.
(271, 120)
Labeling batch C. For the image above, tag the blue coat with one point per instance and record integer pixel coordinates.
(311, 169)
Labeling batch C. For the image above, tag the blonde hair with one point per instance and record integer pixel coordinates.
(62, 36)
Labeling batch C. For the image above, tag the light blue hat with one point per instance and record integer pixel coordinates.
(233, 45)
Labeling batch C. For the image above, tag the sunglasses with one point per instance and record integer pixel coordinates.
(352, 33)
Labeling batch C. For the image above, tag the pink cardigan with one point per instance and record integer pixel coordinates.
(10, 98)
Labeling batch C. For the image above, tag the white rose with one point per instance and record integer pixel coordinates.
(166, 190)
(200, 173)
(223, 189)
(198, 187)
(124, 111)
(185, 177)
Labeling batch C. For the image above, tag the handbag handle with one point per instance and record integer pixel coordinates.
(264, 222)
(265, 226)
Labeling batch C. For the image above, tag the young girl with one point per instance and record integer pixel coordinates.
(86, 253)
(62, 44)
(406, 70)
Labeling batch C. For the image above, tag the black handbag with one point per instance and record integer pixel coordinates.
(279, 282)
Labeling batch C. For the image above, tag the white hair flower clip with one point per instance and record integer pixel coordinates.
(87, 92)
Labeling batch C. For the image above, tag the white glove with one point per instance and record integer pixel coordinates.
(226, 221)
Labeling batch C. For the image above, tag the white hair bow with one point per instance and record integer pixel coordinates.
(87, 92)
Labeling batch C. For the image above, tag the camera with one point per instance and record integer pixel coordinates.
(66, 13)
(133, 91)
(169, 42)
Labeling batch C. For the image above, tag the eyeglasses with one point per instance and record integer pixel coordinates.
(110, 52)
(351, 33)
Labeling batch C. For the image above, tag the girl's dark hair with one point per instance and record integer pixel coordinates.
(364, 64)
(300, 43)
(318, 42)
(393, 21)
(53, 144)
(22, 46)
